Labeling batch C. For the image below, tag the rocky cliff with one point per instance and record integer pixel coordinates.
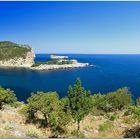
(15, 55)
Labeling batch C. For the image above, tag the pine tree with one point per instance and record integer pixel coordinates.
(79, 102)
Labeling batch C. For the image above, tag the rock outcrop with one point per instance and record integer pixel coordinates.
(16, 55)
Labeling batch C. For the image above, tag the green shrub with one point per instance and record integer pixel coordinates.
(97, 112)
(113, 101)
(34, 133)
(127, 113)
(111, 117)
(138, 101)
(74, 134)
(7, 97)
(53, 62)
(136, 113)
(46, 103)
(106, 126)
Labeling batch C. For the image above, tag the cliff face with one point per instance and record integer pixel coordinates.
(14, 55)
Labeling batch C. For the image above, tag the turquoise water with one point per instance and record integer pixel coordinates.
(111, 72)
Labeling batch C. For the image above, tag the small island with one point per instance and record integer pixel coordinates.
(58, 57)
(58, 64)
(16, 55)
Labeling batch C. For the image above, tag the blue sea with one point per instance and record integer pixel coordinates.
(110, 73)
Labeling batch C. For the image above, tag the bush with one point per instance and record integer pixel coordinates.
(136, 113)
(7, 97)
(46, 103)
(113, 101)
(111, 117)
(138, 101)
(80, 135)
(34, 133)
(105, 126)
(97, 112)
(127, 113)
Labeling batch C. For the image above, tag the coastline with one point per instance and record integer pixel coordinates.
(64, 66)
(48, 67)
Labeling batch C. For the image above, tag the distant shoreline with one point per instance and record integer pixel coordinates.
(50, 67)
(83, 54)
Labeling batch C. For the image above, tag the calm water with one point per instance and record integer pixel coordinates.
(111, 72)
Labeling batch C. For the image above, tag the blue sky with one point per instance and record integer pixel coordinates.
(73, 27)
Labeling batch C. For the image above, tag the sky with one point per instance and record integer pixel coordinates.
(73, 27)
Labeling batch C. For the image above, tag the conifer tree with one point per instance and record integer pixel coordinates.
(79, 102)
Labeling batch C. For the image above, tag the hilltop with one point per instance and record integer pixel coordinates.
(12, 54)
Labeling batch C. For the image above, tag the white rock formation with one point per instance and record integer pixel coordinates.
(19, 62)
(58, 57)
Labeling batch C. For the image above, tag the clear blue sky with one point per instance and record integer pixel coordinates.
(73, 27)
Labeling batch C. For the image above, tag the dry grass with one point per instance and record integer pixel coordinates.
(12, 125)
(90, 126)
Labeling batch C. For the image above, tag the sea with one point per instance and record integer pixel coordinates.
(108, 73)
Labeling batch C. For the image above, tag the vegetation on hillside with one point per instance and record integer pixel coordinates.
(10, 50)
(115, 114)
(7, 97)
(53, 62)
(79, 102)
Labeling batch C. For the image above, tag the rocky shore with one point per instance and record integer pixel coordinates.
(64, 66)
(22, 56)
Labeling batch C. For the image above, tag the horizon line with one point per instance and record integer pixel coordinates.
(96, 53)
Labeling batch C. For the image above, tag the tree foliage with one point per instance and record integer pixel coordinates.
(46, 103)
(7, 97)
(79, 102)
(138, 101)
(113, 101)
(53, 62)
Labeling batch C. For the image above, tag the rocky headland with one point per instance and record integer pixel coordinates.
(16, 55)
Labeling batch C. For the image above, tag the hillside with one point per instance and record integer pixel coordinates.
(79, 115)
(13, 125)
(12, 54)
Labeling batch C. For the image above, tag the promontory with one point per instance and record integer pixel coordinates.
(17, 55)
